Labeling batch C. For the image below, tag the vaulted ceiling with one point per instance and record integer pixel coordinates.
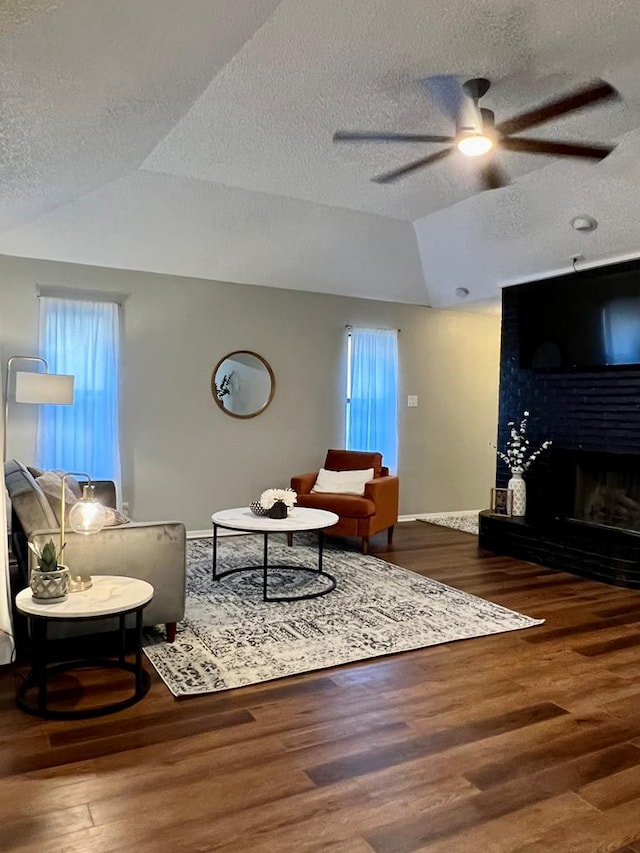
(195, 138)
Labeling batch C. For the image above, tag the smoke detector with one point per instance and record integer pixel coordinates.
(583, 222)
(462, 292)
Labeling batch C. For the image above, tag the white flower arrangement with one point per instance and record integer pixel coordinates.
(271, 496)
(518, 455)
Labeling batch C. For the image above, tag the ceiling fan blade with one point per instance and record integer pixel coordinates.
(597, 90)
(448, 92)
(374, 136)
(555, 148)
(493, 177)
(388, 177)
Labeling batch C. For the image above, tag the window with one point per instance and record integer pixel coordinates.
(372, 393)
(82, 338)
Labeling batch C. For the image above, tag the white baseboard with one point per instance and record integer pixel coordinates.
(207, 534)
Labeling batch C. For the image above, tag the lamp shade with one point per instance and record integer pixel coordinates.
(44, 388)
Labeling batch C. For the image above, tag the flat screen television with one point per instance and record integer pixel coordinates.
(588, 319)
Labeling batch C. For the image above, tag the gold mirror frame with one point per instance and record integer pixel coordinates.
(219, 400)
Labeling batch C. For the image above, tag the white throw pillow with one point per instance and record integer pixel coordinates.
(51, 484)
(342, 482)
(112, 517)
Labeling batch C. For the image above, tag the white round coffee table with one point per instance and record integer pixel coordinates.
(109, 596)
(299, 518)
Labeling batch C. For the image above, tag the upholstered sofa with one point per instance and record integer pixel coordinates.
(360, 515)
(152, 551)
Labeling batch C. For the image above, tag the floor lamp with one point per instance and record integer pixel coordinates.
(39, 388)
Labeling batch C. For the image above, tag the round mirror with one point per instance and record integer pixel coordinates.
(243, 384)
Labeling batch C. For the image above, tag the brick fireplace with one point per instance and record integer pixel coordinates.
(583, 497)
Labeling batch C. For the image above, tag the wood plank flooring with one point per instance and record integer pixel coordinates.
(525, 741)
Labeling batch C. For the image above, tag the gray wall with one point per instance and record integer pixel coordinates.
(184, 458)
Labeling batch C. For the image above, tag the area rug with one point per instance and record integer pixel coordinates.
(231, 638)
(465, 521)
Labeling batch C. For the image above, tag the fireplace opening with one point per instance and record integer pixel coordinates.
(590, 487)
(607, 493)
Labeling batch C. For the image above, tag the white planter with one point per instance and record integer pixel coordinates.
(50, 587)
(519, 490)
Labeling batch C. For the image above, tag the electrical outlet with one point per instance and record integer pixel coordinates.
(412, 401)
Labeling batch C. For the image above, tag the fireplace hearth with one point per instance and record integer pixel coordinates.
(582, 498)
(583, 516)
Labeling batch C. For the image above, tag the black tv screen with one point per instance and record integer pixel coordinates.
(587, 319)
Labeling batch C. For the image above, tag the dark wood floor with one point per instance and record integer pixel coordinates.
(526, 741)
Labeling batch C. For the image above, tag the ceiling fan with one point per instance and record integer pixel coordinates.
(477, 133)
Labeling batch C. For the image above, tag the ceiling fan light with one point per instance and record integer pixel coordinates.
(474, 144)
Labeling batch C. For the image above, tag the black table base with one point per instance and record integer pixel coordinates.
(267, 566)
(32, 695)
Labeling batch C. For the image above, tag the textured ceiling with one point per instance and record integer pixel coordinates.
(195, 138)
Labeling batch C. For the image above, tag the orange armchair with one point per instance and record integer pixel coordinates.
(360, 515)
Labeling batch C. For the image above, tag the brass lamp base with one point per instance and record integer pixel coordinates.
(80, 582)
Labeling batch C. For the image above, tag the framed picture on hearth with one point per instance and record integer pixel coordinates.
(502, 502)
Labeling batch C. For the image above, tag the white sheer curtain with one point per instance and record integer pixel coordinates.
(82, 338)
(6, 625)
(372, 413)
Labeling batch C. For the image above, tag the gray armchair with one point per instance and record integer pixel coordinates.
(152, 551)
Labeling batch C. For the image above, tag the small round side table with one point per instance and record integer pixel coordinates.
(110, 596)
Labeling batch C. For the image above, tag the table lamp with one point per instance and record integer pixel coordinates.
(86, 516)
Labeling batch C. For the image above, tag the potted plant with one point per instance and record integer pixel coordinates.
(518, 457)
(49, 582)
(278, 502)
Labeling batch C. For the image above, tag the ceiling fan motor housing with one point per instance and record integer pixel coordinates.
(469, 119)
(470, 116)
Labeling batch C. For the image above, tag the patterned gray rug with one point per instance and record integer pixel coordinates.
(231, 638)
(465, 521)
